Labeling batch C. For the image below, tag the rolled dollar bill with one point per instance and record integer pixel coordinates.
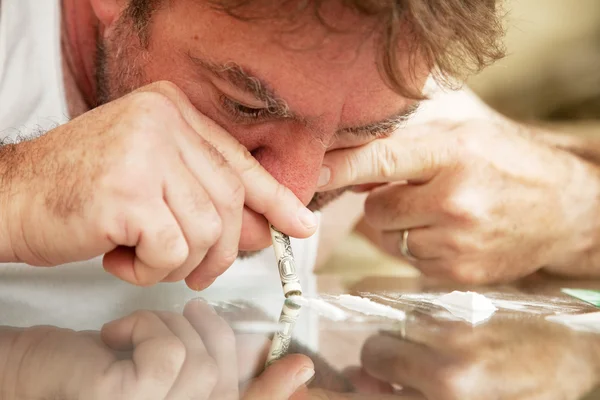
(285, 263)
(283, 337)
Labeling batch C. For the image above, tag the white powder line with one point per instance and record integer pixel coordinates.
(369, 307)
(322, 307)
(589, 322)
(530, 304)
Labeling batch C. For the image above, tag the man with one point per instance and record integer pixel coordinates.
(195, 122)
(249, 123)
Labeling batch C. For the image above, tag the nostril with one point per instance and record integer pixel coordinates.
(256, 152)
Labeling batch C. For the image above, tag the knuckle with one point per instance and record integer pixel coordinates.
(385, 159)
(352, 166)
(228, 257)
(147, 102)
(216, 158)
(245, 155)
(456, 207)
(455, 381)
(173, 354)
(236, 196)
(212, 228)
(462, 273)
(199, 200)
(167, 87)
(465, 244)
(227, 339)
(208, 370)
(172, 239)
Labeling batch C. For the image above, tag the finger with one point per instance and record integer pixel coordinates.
(365, 383)
(384, 160)
(401, 206)
(252, 351)
(281, 379)
(367, 187)
(198, 375)
(400, 362)
(220, 344)
(227, 194)
(255, 231)
(423, 243)
(320, 394)
(264, 194)
(196, 214)
(160, 246)
(158, 356)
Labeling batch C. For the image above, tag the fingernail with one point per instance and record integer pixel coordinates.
(324, 176)
(307, 217)
(304, 376)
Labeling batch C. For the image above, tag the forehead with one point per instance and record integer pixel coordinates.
(304, 60)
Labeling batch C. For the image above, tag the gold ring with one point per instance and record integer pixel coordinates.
(404, 250)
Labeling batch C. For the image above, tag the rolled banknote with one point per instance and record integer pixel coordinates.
(283, 337)
(285, 263)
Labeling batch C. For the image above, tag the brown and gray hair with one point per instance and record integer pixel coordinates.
(456, 38)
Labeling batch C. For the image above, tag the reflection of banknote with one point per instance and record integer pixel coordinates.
(283, 337)
(285, 263)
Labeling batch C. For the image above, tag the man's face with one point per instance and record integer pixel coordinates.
(318, 90)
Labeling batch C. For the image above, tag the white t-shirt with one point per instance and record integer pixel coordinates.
(82, 295)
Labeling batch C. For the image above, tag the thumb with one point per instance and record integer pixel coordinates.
(281, 379)
(384, 160)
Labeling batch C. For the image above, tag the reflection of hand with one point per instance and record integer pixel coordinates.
(146, 355)
(483, 203)
(318, 394)
(500, 360)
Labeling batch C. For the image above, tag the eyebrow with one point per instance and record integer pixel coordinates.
(238, 77)
(277, 107)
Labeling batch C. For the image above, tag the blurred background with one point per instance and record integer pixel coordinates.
(551, 75)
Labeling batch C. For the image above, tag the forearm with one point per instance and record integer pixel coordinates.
(8, 156)
(11, 354)
(34, 363)
(581, 198)
(582, 140)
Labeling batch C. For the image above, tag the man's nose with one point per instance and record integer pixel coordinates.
(294, 160)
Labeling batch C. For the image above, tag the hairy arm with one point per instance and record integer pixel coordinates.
(582, 257)
(8, 160)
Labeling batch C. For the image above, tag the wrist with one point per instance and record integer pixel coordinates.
(39, 372)
(577, 249)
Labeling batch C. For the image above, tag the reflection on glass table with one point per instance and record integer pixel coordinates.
(217, 349)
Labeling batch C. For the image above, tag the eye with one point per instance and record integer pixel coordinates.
(240, 111)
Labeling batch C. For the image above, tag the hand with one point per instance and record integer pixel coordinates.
(146, 355)
(147, 180)
(505, 359)
(481, 201)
